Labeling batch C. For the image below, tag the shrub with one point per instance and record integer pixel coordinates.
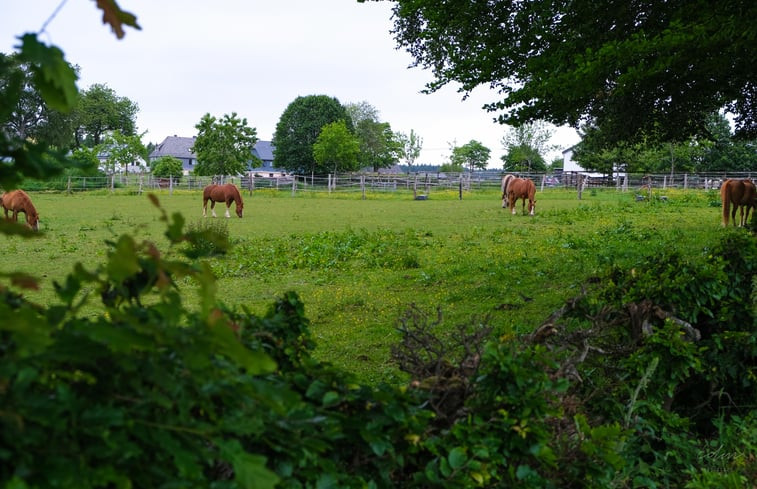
(167, 166)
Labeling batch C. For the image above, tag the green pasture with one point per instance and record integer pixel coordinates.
(359, 264)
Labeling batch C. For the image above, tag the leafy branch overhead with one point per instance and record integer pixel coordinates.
(641, 69)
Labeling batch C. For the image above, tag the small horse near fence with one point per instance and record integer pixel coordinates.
(742, 194)
(18, 201)
(514, 188)
(227, 193)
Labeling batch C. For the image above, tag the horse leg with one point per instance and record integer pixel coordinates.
(213, 208)
(205, 208)
(228, 204)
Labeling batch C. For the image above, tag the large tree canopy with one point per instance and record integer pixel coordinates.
(633, 69)
(298, 129)
(223, 146)
(100, 110)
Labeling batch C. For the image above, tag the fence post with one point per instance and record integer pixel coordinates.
(460, 187)
(362, 185)
(140, 184)
(68, 187)
(294, 184)
(112, 182)
(170, 184)
(685, 181)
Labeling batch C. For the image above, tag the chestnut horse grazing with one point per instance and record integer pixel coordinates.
(221, 193)
(514, 188)
(18, 201)
(742, 194)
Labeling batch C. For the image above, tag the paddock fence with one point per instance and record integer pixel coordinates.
(420, 184)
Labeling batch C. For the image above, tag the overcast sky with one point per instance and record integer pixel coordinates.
(254, 57)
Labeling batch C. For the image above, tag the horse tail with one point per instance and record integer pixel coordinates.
(725, 197)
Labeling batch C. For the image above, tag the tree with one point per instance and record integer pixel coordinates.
(31, 117)
(223, 147)
(523, 158)
(472, 155)
(298, 129)
(722, 153)
(123, 151)
(361, 111)
(379, 146)
(526, 146)
(167, 166)
(99, 111)
(410, 146)
(336, 149)
(633, 70)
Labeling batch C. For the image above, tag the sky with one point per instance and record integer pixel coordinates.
(254, 57)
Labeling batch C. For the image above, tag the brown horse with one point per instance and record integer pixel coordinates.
(18, 201)
(514, 188)
(221, 193)
(742, 194)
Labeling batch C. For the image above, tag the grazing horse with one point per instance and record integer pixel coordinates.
(221, 193)
(514, 188)
(742, 194)
(18, 201)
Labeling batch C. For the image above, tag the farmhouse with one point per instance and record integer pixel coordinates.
(571, 169)
(181, 148)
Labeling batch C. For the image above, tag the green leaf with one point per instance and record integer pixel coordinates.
(123, 263)
(249, 470)
(53, 76)
(225, 341)
(30, 333)
(457, 458)
(330, 399)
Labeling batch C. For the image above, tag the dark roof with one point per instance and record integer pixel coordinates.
(180, 147)
(263, 150)
(175, 146)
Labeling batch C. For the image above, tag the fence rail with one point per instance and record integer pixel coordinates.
(422, 183)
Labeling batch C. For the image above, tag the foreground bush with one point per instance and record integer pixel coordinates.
(645, 380)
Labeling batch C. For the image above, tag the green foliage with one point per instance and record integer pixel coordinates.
(648, 69)
(99, 111)
(223, 146)
(167, 166)
(411, 145)
(336, 149)
(298, 129)
(123, 151)
(51, 74)
(379, 146)
(207, 238)
(472, 155)
(525, 146)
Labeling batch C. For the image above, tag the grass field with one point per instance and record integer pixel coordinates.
(358, 264)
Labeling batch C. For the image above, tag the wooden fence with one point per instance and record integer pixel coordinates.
(420, 184)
